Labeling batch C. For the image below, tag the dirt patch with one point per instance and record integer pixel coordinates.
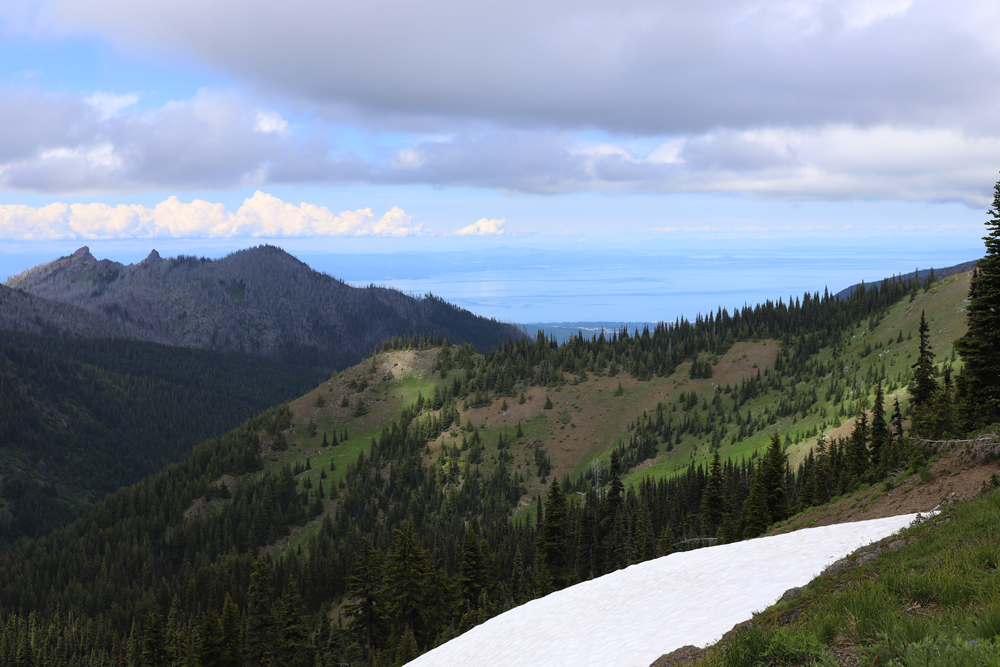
(954, 479)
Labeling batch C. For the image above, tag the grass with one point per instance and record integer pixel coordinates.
(930, 597)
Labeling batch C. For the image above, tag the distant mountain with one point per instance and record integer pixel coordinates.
(260, 301)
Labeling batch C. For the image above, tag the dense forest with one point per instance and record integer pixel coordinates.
(403, 551)
(259, 301)
(81, 418)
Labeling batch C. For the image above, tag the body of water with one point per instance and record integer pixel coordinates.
(558, 288)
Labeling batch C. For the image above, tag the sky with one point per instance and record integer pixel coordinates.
(571, 128)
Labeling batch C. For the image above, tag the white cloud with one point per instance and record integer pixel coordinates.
(483, 227)
(271, 121)
(109, 104)
(262, 215)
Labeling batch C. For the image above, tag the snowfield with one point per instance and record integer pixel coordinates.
(631, 617)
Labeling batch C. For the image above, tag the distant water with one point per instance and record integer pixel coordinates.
(550, 288)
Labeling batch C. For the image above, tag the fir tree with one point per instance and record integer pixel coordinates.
(755, 516)
(408, 583)
(879, 428)
(259, 621)
(980, 346)
(924, 384)
(365, 607)
(713, 499)
(555, 537)
(154, 644)
(292, 646)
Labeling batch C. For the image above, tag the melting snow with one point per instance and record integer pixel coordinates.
(631, 617)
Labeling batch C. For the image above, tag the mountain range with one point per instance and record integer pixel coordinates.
(260, 301)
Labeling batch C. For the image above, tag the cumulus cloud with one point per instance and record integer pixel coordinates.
(262, 215)
(483, 227)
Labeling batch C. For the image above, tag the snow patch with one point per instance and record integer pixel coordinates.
(631, 617)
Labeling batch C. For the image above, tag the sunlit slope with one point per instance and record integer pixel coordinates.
(588, 419)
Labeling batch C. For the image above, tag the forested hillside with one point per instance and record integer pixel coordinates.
(260, 301)
(81, 418)
(430, 487)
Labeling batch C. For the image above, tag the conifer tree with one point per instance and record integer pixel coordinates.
(980, 346)
(879, 428)
(555, 537)
(154, 645)
(365, 606)
(776, 495)
(857, 449)
(292, 646)
(408, 583)
(756, 517)
(924, 384)
(713, 500)
(259, 620)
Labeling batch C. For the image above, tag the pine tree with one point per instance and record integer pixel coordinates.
(879, 429)
(154, 644)
(755, 517)
(980, 346)
(210, 644)
(555, 537)
(774, 464)
(857, 449)
(365, 607)
(713, 499)
(472, 574)
(259, 620)
(924, 384)
(230, 625)
(292, 646)
(408, 583)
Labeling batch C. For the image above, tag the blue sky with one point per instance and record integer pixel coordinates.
(637, 127)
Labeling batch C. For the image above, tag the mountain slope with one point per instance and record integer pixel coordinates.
(404, 464)
(260, 301)
(80, 418)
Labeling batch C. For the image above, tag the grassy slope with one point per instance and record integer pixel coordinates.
(587, 419)
(928, 596)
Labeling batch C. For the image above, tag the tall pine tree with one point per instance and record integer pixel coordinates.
(979, 382)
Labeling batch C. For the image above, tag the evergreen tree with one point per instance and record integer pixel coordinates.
(259, 620)
(924, 384)
(211, 640)
(408, 575)
(555, 537)
(365, 608)
(756, 517)
(980, 346)
(292, 646)
(713, 499)
(154, 644)
(774, 466)
(472, 573)
(879, 429)
(857, 450)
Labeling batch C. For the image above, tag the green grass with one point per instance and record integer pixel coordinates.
(930, 597)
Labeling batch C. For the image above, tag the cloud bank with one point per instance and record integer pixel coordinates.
(791, 99)
(262, 215)
(100, 144)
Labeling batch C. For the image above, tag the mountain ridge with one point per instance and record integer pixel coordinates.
(260, 301)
